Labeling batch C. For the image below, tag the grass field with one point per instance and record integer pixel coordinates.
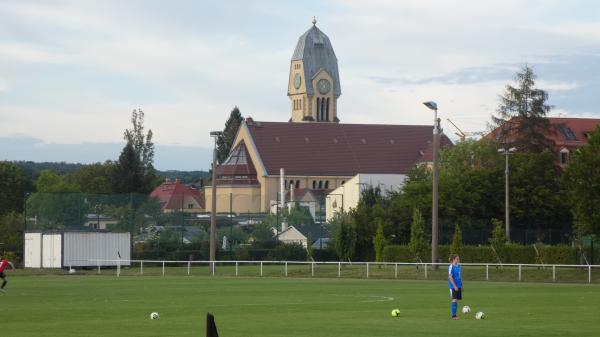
(304, 307)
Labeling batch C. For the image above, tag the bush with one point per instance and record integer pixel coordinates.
(288, 252)
(560, 254)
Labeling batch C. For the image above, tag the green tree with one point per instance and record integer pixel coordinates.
(365, 215)
(521, 118)
(345, 239)
(13, 186)
(418, 242)
(379, 242)
(225, 141)
(135, 169)
(11, 230)
(57, 204)
(96, 178)
(456, 247)
(582, 186)
(498, 240)
(129, 177)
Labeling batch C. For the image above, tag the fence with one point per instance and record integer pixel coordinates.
(566, 273)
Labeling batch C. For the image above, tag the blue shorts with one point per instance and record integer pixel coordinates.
(456, 294)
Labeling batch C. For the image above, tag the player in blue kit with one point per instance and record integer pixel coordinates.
(454, 283)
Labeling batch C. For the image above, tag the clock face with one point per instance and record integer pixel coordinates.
(323, 86)
(297, 81)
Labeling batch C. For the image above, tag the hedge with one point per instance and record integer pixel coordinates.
(558, 254)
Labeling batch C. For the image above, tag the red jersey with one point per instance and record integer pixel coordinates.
(3, 265)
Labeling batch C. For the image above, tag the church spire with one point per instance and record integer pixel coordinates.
(314, 21)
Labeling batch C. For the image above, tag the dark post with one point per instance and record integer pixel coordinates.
(230, 224)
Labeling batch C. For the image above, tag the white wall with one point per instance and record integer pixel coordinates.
(348, 195)
(80, 247)
(51, 251)
(33, 250)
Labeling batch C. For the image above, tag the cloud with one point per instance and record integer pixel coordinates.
(77, 69)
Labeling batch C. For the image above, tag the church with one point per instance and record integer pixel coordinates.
(314, 150)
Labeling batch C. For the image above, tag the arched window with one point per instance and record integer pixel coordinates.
(323, 109)
(318, 108)
(320, 184)
(327, 110)
(297, 183)
(326, 181)
(314, 184)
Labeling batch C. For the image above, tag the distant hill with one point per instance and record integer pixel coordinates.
(33, 169)
(187, 177)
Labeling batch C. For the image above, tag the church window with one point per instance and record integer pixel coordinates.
(314, 184)
(327, 110)
(320, 184)
(326, 184)
(318, 108)
(297, 183)
(322, 109)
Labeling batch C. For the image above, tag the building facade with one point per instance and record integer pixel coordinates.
(316, 152)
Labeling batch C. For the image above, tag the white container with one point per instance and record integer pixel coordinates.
(76, 249)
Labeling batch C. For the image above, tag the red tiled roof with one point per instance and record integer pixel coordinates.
(562, 125)
(579, 126)
(340, 149)
(170, 194)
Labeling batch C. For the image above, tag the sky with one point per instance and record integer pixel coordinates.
(71, 72)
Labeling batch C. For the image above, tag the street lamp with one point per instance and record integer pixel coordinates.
(213, 214)
(434, 200)
(506, 153)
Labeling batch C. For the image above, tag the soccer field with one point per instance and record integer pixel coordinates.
(109, 306)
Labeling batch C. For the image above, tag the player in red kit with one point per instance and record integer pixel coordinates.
(3, 263)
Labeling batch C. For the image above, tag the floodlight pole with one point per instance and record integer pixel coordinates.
(434, 199)
(506, 153)
(213, 213)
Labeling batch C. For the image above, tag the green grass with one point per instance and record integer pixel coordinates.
(108, 306)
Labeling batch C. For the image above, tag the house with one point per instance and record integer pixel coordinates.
(347, 196)
(175, 196)
(569, 134)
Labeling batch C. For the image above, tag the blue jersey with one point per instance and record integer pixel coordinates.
(454, 271)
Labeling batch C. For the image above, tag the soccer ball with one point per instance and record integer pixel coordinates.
(154, 315)
(466, 309)
(480, 315)
(395, 313)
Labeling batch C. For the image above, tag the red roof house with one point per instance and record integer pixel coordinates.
(176, 196)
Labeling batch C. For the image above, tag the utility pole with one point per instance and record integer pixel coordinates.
(434, 200)
(506, 153)
(213, 214)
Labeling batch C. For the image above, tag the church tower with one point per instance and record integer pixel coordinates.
(314, 82)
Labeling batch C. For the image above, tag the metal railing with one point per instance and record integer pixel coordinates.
(389, 270)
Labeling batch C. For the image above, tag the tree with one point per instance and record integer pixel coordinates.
(13, 186)
(96, 178)
(345, 239)
(521, 119)
(135, 168)
(365, 215)
(225, 141)
(498, 240)
(129, 176)
(418, 242)
(582, 185)
(58, 203)
(11, 230)
(456, 247)
(379, 242)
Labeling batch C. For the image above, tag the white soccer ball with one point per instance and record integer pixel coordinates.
(466, 309)
(480, 315)
(154, 315)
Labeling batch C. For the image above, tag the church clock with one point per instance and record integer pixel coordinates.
(323, 86)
